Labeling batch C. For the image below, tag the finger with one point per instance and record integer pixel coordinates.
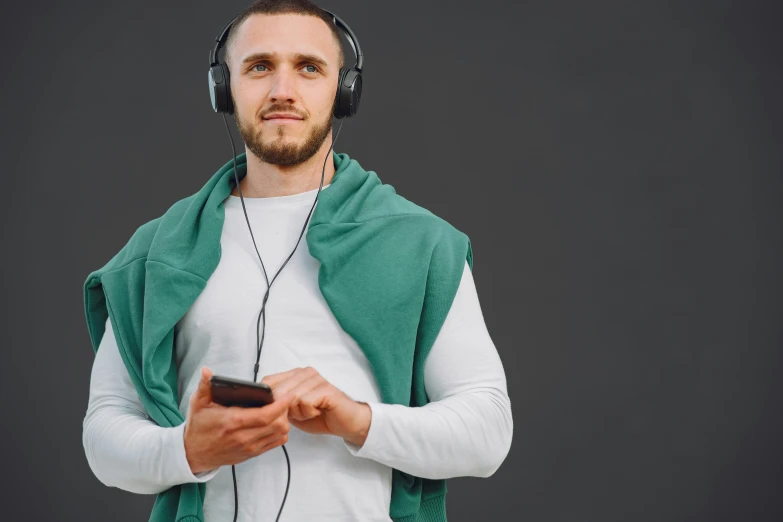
(273, 442)
(203, 394)
(264, 415)
(303, 410)
(295, 380)
(311, 402)
(277, 378)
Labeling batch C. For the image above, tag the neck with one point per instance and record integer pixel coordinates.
(265, 180)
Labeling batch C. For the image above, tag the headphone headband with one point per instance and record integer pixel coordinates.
(219, 41)
(351, 39)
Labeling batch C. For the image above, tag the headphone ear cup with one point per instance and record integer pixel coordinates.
(349, 93)
(338, 96)
(220, 89)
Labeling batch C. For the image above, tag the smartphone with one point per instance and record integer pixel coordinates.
(235, 392)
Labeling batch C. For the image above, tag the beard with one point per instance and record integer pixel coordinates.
(278, 152)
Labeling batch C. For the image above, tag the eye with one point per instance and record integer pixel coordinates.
(259, 65)
(313, 67)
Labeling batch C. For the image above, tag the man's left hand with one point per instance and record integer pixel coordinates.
(319, 407)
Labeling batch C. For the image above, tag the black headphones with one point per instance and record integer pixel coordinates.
(349, 83)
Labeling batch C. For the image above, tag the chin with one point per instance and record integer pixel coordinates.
(287, 141)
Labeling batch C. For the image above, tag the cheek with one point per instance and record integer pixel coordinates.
(319, 102)
(250, 97)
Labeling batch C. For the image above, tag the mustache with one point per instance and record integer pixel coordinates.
(284, 108)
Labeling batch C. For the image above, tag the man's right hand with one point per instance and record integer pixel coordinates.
(217, 435)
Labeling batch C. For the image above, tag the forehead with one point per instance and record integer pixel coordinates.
(285, 34)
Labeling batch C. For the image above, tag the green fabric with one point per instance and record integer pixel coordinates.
(389, 273)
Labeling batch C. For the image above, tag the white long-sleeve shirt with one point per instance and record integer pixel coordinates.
(465, 430)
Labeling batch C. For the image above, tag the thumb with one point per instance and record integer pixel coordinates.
(279, 406)
(202, 397)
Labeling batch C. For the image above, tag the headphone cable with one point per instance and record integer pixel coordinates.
(266, 295)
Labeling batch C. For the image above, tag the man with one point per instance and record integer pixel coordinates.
(386, 381)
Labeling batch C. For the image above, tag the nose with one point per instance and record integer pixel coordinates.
(283, 87)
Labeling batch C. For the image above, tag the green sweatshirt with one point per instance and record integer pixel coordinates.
(389, 273)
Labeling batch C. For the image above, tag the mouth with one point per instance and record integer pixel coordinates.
(283, 118)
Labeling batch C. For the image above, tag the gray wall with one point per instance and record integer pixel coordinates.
(617, 166)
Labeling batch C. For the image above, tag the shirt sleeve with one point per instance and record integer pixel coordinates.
(467, 427)
(124, 447)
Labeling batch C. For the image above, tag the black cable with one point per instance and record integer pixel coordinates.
(266, 295)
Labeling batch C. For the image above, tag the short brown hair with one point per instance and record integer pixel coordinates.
(301, 7)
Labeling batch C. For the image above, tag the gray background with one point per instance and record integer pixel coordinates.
(617, 166)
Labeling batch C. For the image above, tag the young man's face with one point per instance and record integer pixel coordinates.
(283, 71)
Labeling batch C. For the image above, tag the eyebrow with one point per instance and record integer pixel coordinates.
(299, 57)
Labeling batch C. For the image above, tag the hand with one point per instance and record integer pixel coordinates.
(217, 435)
(319, 407)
